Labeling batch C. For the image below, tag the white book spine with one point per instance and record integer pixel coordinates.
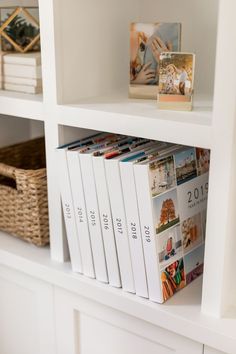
(106, 221)
(148, 232)
(80, 212)
(22, 88)
(30, 58)
(93, 217)
(26, 71)
(133, 227)
(21, 81)
(119, 222)
(68, 210)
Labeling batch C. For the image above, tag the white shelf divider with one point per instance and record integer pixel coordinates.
(219, 286)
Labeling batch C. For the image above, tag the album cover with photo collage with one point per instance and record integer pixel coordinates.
(179, 187)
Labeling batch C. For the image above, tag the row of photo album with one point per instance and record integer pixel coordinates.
(135, 211)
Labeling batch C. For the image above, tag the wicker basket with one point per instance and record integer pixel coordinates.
(23, 191)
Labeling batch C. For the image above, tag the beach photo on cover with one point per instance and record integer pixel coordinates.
(147, 42)
(186, 165)
(162, 175)
(193, 263)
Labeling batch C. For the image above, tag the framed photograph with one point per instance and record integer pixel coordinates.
(147, 42)
(176, 79)
(19, 29)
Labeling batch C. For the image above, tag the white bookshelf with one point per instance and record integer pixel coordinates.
(140, 118)
(22, 105)
(85, 78)
(180, 315)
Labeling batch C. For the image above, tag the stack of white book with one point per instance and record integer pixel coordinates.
(135, 211)
(21, 72)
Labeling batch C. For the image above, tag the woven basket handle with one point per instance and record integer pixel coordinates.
(7, 171)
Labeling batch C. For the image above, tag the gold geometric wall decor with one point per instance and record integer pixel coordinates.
(22, 35)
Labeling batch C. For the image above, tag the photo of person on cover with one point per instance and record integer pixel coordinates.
(169, 246)
(147, 42)
(176, 74)
(191, 229)
(203, 160)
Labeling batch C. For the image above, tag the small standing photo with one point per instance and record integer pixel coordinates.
(147, 42)
(176, 78)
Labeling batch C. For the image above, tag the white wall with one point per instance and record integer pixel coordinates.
(94, 55)
(197, 36)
